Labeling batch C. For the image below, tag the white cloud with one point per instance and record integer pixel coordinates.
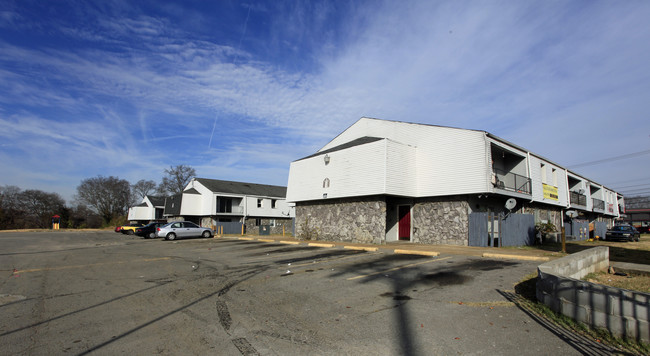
(567, 83)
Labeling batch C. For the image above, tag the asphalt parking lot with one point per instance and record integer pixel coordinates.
(105, 293)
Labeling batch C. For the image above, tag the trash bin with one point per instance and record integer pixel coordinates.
(265, 230)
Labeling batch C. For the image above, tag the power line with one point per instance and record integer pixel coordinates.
(604, 160)
(638, 191)
(630, 186)
(628, 181)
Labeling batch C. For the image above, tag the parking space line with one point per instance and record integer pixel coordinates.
(399, 267)
(89, 265)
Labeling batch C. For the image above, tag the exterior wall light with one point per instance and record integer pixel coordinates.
(326, 159)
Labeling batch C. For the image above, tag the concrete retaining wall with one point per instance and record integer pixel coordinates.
(622, 312)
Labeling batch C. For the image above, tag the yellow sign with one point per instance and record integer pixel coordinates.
(550, 192)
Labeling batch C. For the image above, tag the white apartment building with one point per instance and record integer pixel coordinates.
(380, 181)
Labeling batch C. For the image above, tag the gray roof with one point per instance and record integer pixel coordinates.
(224, 186)
(156, 201)
(358, 142)
(192, 191)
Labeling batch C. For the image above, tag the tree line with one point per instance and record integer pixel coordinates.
(100, 201)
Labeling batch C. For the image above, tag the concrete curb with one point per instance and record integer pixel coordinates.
(362, 248)
(317, 244)
(416, 252)
(397, 251)
(515, 257)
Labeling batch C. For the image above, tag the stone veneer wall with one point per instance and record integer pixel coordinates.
(443, 220)
(361, 220)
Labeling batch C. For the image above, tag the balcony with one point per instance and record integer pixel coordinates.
(229, 206)
(231, 210)
(578, 199)
(598, 204)
(511, 182)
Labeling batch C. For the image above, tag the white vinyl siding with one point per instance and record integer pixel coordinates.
(401, 171)
(437, 161)
(451, 161)
(536, 181)
(192, 204)
(205, 204)
(141, 213)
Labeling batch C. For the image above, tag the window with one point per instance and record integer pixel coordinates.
(273, 203)
(258, 222)
(326, 183)
(543, 173)
(259, 203)
(272, 222)
(224, 205)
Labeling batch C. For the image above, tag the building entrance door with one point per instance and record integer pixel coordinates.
(404, 229)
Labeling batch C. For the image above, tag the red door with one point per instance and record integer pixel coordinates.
(404, 222)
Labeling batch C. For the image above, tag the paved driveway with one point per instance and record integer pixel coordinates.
(105, 293)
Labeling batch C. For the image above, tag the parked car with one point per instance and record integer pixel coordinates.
(623, 232)
(149, 231)
(129, 229)
(643, 229)
(118, 229)
(181, 229)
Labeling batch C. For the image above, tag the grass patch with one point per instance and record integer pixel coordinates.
(631, 252)
(526, 289)
(638, 283)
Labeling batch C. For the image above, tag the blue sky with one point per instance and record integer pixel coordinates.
(238, 90)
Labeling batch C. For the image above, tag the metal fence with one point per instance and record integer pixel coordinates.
(497, 229)
(229, 227)
(577, 229)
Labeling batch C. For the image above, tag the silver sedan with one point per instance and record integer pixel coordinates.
(181, 229)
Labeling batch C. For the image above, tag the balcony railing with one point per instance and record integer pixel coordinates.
(578, 199)
(511, 181)
(235, 210)
(598, 204)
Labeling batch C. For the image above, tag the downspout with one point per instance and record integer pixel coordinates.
(568, 197)
(530, 176)
(566, 185)
(245, 209)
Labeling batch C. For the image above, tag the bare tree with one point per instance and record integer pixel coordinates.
(176, 179)
(142, 188)
(39, 207)
(28, 209)
(11, 217)
(108, 196)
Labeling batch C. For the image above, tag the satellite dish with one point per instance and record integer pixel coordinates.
(511, 203)
(572, 213)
